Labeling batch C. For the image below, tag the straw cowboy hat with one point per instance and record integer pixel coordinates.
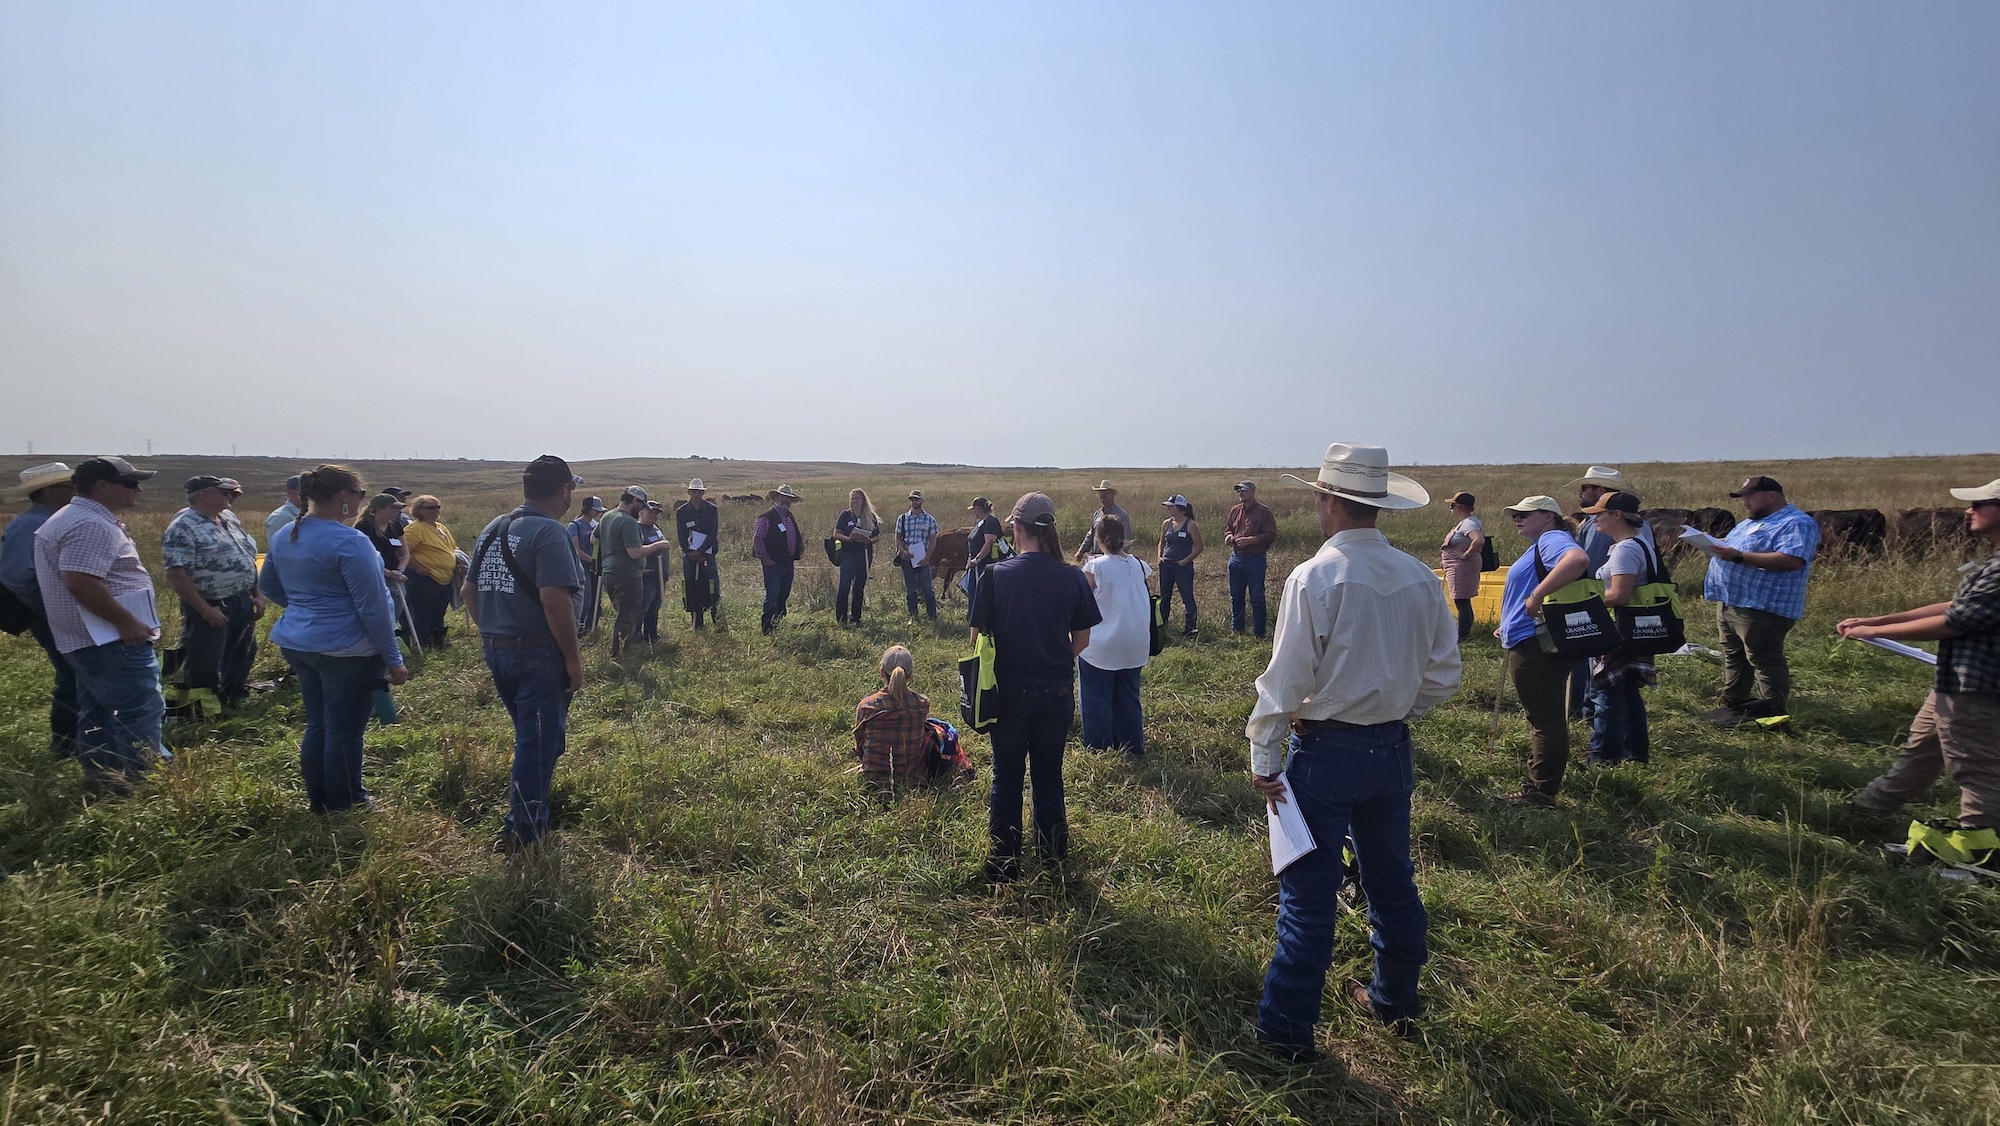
(1105, 487)
(1602, 476)
(785, 491)
(42, 476)
(1361, 473)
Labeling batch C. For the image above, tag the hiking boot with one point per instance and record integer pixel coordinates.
(1290, 1053)
(1357, 995)
(1726, 716)
(1530, 797)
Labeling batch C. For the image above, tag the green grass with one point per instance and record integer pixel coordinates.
(732, 930)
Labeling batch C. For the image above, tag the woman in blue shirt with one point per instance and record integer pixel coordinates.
(337, 631)
(1541, 679)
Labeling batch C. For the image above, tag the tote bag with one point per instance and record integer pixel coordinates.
(978, 688)
(1575, 620)
(1651, 623)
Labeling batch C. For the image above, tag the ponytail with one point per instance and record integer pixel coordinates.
(324, 485)
(897, 665)
(899, 683)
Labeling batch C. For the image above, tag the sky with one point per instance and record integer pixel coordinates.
(1119, 234)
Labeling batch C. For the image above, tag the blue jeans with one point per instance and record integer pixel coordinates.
(853, 584)
(972, 588)
(62, 698)
(1180, 576)
(1581, 698)
(1618, 723)
(1028, 741)
(1352, 781)
(1246, 576)
(535, 688)
(118, 707)
(917, 584)
(777, 588)
(339, 696)
(1111, 713)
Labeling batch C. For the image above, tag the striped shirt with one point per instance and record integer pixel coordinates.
(85, 538)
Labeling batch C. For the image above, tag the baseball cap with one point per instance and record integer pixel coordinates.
(1537, 504)
(295, 481)
(1988, 491)
(1615, 502)
(634, 492)
(1034, 509)
(593, 504)
(1757, 485)
(1465, 499)
(398, 492)
(653, 505)
(1175, 501)
(550, 472)
(1242, 485)
(980, 503)
(916, 494)
(116, 469)
(194, 485)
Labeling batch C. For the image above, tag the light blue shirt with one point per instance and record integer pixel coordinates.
(1516, 626)
(17, 554)
(1778, 592)
(330, 583)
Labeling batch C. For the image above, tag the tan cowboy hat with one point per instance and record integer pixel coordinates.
(1105, 487)
(1602, 476)
(1361, 473)
(786, 492)
(1988, 491)
(42, 476)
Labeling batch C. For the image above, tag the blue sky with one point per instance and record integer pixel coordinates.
(1099, 234)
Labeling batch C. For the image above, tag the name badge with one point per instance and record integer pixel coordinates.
(395, 543)
(781, 527)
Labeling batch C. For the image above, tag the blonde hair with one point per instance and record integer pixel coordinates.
(897, 665)
(419, 502)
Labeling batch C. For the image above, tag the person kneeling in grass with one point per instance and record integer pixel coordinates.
(892, 725)
(1959, 724)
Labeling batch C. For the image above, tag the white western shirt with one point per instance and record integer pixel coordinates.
(1364, 636)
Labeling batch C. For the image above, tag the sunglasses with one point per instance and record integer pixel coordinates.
(1986, 504)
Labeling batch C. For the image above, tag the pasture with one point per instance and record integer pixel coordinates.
(731, 930)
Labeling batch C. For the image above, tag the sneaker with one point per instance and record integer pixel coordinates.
(1726, 716)
(1529, 796)
(1357, 995)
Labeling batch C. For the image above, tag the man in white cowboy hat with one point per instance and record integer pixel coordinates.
(1959, 725)
(696, 524)
(1107, 505)
(101, 610)
(1365, 643)
(916, 540)
(47, 488)
(777, 544)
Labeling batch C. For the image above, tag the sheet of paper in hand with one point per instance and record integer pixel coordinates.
(1290, 839)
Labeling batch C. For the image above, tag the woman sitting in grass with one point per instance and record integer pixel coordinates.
(891, 727)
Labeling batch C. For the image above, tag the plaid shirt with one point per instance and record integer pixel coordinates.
(890, 739)
(221, 557)
(1778, 592)
(915, 529)
(1970, 662)
(83, 536)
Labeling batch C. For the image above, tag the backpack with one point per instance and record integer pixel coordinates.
(1489, 556)
(16, 616)
(947, 757)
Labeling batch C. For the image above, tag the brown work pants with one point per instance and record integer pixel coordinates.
(1542, 682)
(1753, 647)
(1959, 731)
(627, 601)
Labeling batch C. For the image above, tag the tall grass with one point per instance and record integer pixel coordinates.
(732, 930)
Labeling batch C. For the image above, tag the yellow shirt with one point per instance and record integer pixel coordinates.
(432, 547)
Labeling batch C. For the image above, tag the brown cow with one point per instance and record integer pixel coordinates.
(1850, 531)
(948, 559)
(1668, 522)
(1920, 531)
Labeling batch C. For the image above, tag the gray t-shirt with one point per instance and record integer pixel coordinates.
(1627, 557)
(511, 605)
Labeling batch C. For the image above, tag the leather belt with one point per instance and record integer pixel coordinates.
(1308, 726)
(518, 642)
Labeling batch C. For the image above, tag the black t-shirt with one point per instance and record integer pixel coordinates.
(386, 545)
(1029, 605)
(990, 526)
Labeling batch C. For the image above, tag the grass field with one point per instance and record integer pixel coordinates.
(731, 930)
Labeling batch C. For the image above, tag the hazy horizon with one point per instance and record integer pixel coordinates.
(1127, 234)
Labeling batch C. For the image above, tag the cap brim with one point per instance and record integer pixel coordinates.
(1984, 492)
(1403, 493)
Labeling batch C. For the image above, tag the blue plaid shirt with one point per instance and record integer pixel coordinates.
(916, 529)
(1778, 592)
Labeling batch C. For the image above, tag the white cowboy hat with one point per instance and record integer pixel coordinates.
(695, 486)
(1361, 473)
(1988, 491)
(1602, 476)
(42, 476)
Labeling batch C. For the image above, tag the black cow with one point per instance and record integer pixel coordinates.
(1851, 532)
(1920, 531)
(1668, 522)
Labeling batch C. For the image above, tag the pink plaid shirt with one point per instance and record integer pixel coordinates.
(83, 536)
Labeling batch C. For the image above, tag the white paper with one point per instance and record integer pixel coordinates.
(139, 603)
(1900, 649)
(916, 555)
(1695, 537)
(1290, 839)
(696, 540)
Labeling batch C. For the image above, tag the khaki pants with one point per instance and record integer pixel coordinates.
(1753, 645)
(1955, 730)
(1542, 682)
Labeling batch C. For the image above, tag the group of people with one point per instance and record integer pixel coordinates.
(1366, 642)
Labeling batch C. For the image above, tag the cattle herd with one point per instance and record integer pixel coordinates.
(1844, 532)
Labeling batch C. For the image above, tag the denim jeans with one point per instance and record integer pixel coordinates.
(218, 658)
(339, 696)
(428, 602)
(1347, 782)
(1028, 742)
(62, 697)
(972, 588)
(777, 588)
(1580, 696)
(118, 707)
(535, 688)
(853, 584)
(1618, 723)
(1246, 576)
(651, 593)
(1179, 576)
(1109, 699)
(917, 584)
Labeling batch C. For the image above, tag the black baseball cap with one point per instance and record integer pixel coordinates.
(398, 492)
(593, 504)
(1757, 485)
(1614, 502)
(108, 469)
(194, 485)
(550, 472)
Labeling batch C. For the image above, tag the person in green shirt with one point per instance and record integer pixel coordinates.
(621, 562)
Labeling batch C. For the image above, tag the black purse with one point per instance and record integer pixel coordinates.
(832, 550)
(1489, 556)
(1575, 621)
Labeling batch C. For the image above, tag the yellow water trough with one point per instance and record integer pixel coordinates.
(1486, 606)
